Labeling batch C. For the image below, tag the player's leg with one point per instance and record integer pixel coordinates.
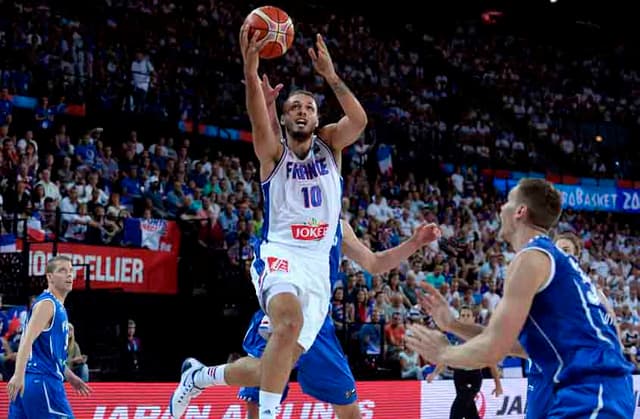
(297, 300)
(282, 350)
(350, 411)
(252, 410)
(324, 373)
(244, 372)
(251, 397)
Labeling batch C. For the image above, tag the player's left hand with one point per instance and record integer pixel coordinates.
(15, 386)
(429, 344)
(321, 59)
(426, 233)
(270, 93)
(80, 386)
(498, 391)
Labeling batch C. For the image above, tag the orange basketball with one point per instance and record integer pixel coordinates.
(275, 24)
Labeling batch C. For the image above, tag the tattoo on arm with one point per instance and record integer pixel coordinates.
(339, 88)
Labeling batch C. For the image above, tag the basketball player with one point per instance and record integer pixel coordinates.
(323, 371)
(36, 389)
(552, 307)
(301, 185)
(572, 245)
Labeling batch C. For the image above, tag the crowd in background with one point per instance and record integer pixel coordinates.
(79, 187)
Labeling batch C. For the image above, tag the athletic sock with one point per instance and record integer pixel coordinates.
(210, 376)
(269, 403)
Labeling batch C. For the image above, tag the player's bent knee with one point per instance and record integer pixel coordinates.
(285, 312)
(281, 297)
(287, 329)
(350, 411)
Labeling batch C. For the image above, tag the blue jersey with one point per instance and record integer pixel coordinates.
(49, 352)
(568, 335)
(335, 254)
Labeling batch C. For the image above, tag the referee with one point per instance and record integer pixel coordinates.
(467, 382)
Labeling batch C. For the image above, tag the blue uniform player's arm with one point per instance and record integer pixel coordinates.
(437, 307)
(40, 319)
(384, 261)
(76, 382)
(526, 274)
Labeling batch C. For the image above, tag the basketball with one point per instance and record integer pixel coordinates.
(276, 25)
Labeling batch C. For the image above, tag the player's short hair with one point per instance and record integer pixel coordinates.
(302, 92)
(543, 201)
(466, 307)
(573, 238)
(54, 261)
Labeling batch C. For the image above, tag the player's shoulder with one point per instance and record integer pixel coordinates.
(45, 296)
(326, 132)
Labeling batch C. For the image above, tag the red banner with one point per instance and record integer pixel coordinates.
(150, 400)
(377, 399)
(129, 269)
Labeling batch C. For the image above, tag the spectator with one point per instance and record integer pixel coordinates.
(132, 354)
(394, 335)
(141, 72)
(410, 364)
(76, 361)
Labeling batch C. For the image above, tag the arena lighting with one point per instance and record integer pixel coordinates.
(553, 1)
(490, 17)
(599, 138)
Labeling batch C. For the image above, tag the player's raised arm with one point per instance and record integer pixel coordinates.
(270, 96)
(525, 276)
(40, 319)
(265, 143)
(347, 130)
(379, 262)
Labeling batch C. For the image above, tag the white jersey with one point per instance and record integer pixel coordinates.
(302, 201)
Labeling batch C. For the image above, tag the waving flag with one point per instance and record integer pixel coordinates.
(384, 159)
(152, 234)
(7, 243)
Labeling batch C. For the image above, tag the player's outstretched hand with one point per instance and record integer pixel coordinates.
(251, 49)
(16, 386)
(79, 386)
(426, 233)
(321, 59)
(429, 344)
(270, 93)
(434, 304)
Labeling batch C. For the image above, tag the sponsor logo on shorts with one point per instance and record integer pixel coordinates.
(277, 264)
(312, 230)
(348, 394)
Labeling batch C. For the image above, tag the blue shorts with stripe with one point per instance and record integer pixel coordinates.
(323, 371)
(607, 398)
(44, 398)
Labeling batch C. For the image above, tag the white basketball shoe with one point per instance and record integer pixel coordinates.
(187, 389)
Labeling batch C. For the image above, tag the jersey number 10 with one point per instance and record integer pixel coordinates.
(312, 196)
